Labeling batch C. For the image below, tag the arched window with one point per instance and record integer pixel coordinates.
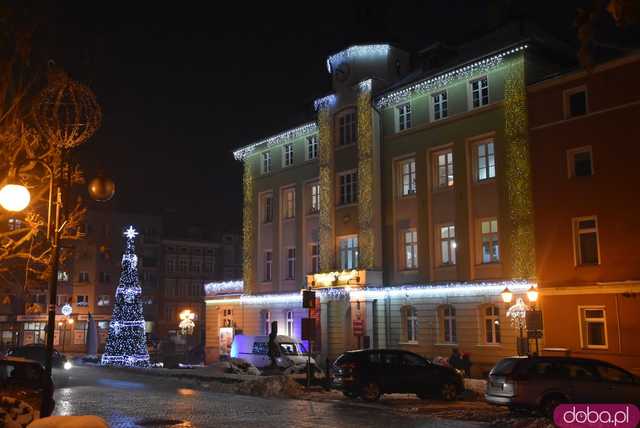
(491, 324)
(448, 324)
(410, 324)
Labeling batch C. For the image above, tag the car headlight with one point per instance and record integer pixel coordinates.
(67, 365)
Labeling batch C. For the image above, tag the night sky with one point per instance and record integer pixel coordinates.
(182, 85)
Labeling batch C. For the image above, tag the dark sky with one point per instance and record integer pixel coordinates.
(183, 84)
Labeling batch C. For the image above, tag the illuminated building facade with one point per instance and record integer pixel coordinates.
(405, 202)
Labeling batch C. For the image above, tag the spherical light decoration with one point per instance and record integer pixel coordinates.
(66, 309)
(67, 112)
(102, 189)
(14, 197)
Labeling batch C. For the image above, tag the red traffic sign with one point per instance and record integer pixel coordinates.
(358, 327)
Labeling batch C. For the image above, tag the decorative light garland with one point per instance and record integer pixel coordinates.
(327, 101)
(327, 189)
(226, 287)
(444, 79)
(404, 291)
(366, 176)
(288, 135)
(517, 313)
(127, 343)
(356, 52)
(517, 171)
(248, 232)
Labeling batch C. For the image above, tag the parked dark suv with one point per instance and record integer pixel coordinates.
(373, 372)
(544, 382)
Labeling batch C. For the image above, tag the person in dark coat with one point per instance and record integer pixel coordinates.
(455, 360)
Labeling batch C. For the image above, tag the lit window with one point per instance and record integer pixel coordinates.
(575, 102)
(486, 161)
(315, 258)
(448, 245)
(449, 328)
(266, 163)
(580, 162)
(268, 209)
(492, 324)
(267, 266)
(348, 253)
(290, 323)
(347, 127)
(411, 249)
(586, 237)
(480, 92)
(408, 168)
(404, 116)
(490, 245)
(445, 169)
(82, 300)
(15, 224)
(289, 209)
(104, 300)
(348, 188)
(287, 153)
(410, 317)
(594, 327)
(315, 198)
(439, 105)
(312, 147)
(291, 263)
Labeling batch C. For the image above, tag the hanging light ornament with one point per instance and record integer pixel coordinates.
(517, 313)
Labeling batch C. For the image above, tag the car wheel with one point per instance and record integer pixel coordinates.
(370, 392)
(550, 403)
(448, 391)
(350, 394)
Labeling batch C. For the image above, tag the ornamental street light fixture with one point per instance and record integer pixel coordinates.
(507, 295)
(14, 197)
(517, 313)
(532, 294)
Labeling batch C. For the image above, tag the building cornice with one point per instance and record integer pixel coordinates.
(285, 136)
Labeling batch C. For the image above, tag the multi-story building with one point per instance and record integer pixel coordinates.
(406, 204)
(584, 141)
(231, 256)
(187, 266)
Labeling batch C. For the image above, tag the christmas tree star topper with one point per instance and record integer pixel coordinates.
(131, 233)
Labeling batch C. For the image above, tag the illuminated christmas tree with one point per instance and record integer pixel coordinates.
(126, 344)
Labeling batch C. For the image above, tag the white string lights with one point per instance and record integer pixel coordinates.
(288, 135)
(356, 52)
(446, 78)
(127, 343)
(226, 287)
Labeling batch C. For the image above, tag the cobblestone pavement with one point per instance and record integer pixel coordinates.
(130, 400)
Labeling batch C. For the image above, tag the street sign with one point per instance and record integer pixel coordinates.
(358, 327)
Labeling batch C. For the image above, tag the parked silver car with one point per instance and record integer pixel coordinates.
(545, 382)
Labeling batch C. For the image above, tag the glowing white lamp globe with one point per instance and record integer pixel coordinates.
(14, 197)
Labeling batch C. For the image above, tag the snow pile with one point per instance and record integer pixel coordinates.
(70, 422)
(240, 366)
(271, 386)
(15, 413)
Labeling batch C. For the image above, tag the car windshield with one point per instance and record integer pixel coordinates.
(504, 367)
(288, 348)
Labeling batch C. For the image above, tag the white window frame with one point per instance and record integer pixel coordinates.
(311, 152)
(85, 300)
(447, 168)
(496, 329)
(315, 257)
(441, 100)
(266, 319)
(479, 90)
(491, 233)
(449, 320)
(348, 251)
(291, 263)
(289, 203)
(403, 117)
(488, 158)
(267, 274)
(408, 177)
(576, 239)
(290, 320)
(583, 321)
(410, 247)
(267, 214)
(571, 164)
(315, 198)
(265, 164)
(410, 320)
(287, 155)
(450, 242)
(103, 300)
(566, 104)
(347, 130)
(352, 185)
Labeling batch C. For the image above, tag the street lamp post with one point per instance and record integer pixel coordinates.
(187, 326)
(518, 312)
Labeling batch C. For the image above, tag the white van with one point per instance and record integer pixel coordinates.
(255, 349)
